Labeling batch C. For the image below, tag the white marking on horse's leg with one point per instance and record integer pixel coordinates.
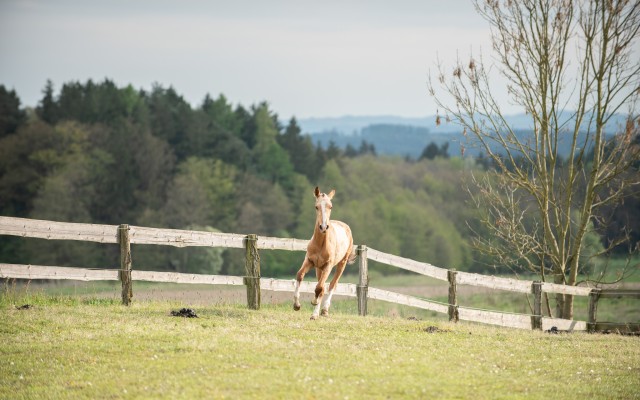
(326, 302)
(316, 311)
(296, 296)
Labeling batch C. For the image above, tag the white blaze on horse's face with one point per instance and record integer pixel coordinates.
(323, 212)
(323, 209)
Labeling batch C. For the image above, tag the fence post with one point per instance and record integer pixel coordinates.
(453, 301)
(593, 308)
(125, 264)
(252, 270)
(363, 282)
(536, 318)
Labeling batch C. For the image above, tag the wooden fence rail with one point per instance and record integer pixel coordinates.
(126, 235)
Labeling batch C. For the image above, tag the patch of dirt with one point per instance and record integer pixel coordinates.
(185, 313)
(24, 307)
(617, 332)
(435, 329)
(554, 330)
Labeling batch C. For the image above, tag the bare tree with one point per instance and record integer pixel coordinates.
(571, 66)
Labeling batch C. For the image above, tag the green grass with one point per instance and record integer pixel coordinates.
(72, 347)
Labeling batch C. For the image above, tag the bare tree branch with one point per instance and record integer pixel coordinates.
(570, 65)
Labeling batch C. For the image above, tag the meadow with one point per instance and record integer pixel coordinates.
(86, 346)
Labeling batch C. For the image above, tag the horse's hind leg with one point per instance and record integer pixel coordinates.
(306, 266)
(334, 282)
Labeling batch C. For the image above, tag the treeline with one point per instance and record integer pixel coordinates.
(98, 153)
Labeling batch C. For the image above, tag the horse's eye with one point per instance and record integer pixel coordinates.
(317, 208)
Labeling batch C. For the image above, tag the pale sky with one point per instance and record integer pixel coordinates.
(306, 58)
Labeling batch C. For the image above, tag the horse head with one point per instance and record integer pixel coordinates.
(323, 209)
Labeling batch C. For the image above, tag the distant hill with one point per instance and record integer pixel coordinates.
(349, 125)
(388, 139)
(403, 136)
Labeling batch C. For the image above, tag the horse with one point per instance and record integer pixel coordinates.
(331, 245)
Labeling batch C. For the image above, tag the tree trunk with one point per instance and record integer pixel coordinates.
(567, 313)
(574, 264)
(559, 296)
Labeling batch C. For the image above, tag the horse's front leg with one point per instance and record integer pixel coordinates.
(323, 274)
(306, 266)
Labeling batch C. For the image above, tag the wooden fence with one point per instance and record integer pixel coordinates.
(126, 235)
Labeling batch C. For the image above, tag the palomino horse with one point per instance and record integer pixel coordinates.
(330, 245)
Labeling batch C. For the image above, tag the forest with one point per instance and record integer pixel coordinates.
(98, 153)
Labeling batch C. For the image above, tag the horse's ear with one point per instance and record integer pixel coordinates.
(317, 191)
(331, 193)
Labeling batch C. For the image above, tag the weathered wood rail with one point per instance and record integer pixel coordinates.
(596, 294)
(126, 235)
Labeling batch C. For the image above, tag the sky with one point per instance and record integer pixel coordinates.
(325, 58)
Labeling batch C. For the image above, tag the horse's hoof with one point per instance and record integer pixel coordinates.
(324, 313)
(314, 317)
(296, 307)
(314, 302)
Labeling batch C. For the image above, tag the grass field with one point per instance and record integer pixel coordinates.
(87, 347)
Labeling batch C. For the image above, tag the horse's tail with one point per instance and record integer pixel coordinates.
(352, 256)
